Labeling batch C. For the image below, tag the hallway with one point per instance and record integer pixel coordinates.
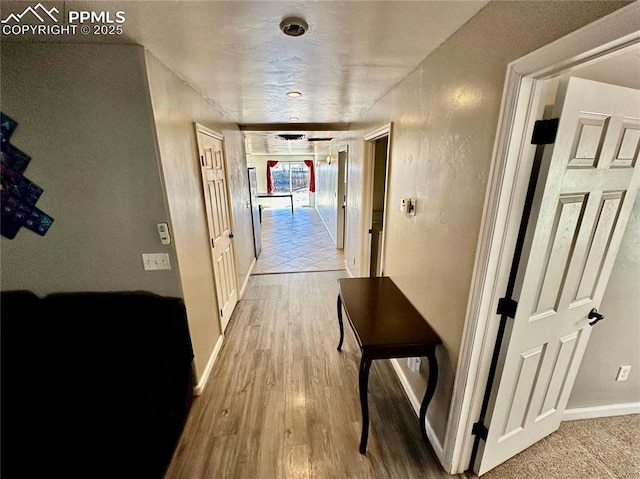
(281, 402)
(296, 242)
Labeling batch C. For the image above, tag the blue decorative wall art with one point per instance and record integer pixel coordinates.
(18, 195)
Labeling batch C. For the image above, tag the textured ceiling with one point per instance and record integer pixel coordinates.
(234, 53)
(260, 142)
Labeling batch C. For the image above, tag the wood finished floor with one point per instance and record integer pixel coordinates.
(282, 402)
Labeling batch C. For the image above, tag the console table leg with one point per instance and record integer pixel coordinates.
(340, 323)
(428, 394)
(365, 364)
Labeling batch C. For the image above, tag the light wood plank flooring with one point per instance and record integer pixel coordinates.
(282, 402)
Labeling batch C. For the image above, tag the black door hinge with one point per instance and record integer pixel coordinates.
(544, 131)
(213, 243)
(480, 430)
(202, 160)
(220, 313)
(507, 306)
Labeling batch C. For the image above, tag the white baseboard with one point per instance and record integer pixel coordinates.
(415, 402)
(349, 270)
(197, 390)
(326, 227)
(601, 411)
(247, 278)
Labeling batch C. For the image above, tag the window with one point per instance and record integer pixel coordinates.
(292, 177)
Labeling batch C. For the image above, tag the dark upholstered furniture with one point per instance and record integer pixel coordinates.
(94, 384)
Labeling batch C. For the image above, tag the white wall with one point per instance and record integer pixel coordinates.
(444, 118)
(176, 107)
(260, 164)
(84, 116)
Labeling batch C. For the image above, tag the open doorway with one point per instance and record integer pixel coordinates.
(294, 236)
(508, 192)
(583, 199)
(377, 149)
(377, 207)
(343, 164)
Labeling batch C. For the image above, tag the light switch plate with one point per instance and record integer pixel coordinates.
(412, 206)
(155, 261)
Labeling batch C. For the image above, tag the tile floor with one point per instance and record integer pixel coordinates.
(297, 242)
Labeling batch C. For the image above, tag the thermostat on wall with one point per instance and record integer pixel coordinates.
(163, 231)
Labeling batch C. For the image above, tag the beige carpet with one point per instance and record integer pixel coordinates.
(603, 448)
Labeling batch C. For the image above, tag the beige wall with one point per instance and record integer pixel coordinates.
(444, 118)
(84, 116)
(327, 190)
(176, 107)
(616, 340)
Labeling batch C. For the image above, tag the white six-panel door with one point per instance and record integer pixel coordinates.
(214, 180)
(589, 182)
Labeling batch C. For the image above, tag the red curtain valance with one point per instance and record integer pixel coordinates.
(312, 175)
(270, 164)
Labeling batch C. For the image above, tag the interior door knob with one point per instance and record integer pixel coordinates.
(593, 314)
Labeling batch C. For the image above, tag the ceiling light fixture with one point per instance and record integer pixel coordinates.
(294, 94)
(293, 27)
(293, 118)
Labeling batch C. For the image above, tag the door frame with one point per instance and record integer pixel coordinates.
(367, 203)
(199, 128)
(504, 201)
(343, 186)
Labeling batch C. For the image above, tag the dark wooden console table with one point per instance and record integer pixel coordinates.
(278, 195)
(386, 325)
